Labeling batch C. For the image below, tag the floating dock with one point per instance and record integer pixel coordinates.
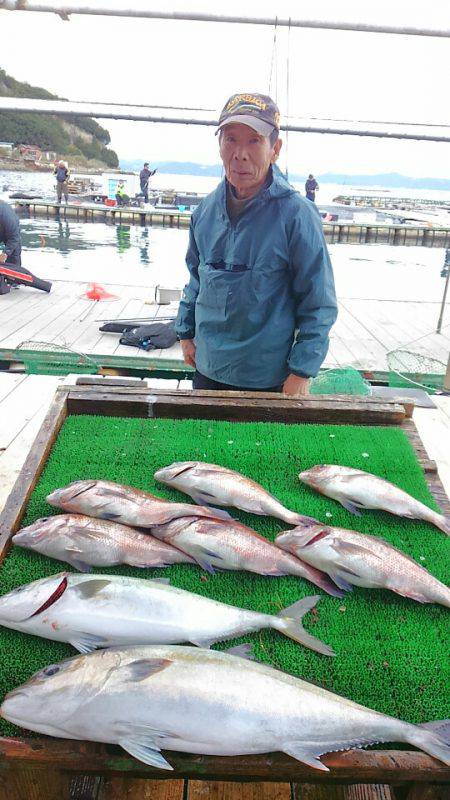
(376, 201)
(96, 212)
(343, 232)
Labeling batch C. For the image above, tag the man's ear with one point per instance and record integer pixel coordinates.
(276, 150)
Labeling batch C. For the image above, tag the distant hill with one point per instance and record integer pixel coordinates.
(72, 136)
(388, 180)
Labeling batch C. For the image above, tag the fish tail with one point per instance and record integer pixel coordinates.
(299, 519)
(289, 622)
(433, 738)
(443, 523)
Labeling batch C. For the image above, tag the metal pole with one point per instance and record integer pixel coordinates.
(156, 114)
(67, 9)
(447, 281)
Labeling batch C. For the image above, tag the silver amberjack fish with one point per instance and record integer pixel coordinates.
(163, 697)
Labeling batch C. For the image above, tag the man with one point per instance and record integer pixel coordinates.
(144, 177)
(9, 235)
(311, 187)
(122, 198)
(62, 176)
(260, 301)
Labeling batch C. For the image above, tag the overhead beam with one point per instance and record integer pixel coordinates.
(158, 114)
(67, 9)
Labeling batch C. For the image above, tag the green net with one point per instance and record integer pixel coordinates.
(46, 358)
(389, 649)
(415, 370)
(344, 380)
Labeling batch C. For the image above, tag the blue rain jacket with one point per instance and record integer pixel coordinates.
(260, 301)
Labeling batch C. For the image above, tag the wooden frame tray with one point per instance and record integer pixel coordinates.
(116, 397)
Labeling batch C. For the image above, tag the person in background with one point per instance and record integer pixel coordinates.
(121, 197)
(9, 236)
(144, 177)
(311, 187)
(62, 176)
(260, 301)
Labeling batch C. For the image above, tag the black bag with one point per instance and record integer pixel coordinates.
(157, 336)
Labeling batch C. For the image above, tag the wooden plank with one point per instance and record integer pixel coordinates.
(433, 481)
(34, 784)
(123, 787)
(428, 793)
(29, 475)
(386, 766)
(20, 406)
(238, 409)
(8, 382)
(359, 791)
(226, 790)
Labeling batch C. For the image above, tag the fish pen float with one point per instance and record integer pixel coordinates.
(130, 432)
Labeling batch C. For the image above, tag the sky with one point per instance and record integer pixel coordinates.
(330, 74)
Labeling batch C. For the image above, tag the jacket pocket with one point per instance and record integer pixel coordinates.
(224, 289)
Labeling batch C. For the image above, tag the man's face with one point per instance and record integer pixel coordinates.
(246, 157)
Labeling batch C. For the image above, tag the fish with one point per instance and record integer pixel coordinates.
(354, 559)
(356, 489)
(167, 697)
(86, 542)
(119, 503)
(96, 611)
(211, 484)
(216, 544)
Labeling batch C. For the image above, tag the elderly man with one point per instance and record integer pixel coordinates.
(260, 301)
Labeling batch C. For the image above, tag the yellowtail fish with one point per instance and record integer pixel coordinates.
(163, 697)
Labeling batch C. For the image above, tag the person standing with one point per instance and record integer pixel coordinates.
(10, 236)
(144, 177)
(62, 176)
(260, 301)
(311, 187)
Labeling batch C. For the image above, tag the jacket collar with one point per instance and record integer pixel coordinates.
(279, 187)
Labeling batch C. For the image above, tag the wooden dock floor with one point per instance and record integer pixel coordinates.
(365, 330)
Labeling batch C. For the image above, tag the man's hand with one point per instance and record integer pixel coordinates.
(188, 348)
(3, 257)
(295, 386)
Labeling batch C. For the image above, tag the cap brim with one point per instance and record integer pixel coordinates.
(258, 125)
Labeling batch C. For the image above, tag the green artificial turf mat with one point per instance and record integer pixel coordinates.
(389, 649)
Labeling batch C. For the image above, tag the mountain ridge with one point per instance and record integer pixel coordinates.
(394, 180)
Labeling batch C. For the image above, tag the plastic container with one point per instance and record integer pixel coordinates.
(109, 202)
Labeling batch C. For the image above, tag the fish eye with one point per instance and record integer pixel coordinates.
(51, 670)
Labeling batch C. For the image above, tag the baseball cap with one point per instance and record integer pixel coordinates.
(258, 111)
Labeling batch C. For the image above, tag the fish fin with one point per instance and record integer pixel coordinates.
(219, 513)
(81, 566)
(109, 515)
(87, 642)
(144, 668)
(441, 727)
(199, 642)
(242, 651)
(340, 581)
(143, 742)
(351, 548)
(89, 589)
(443, 523)
(202, 498)
(166, 581)
(410, 593)
(288, 622)
(304, 753)
(433, 740)
(351, 507)
(206, 559)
